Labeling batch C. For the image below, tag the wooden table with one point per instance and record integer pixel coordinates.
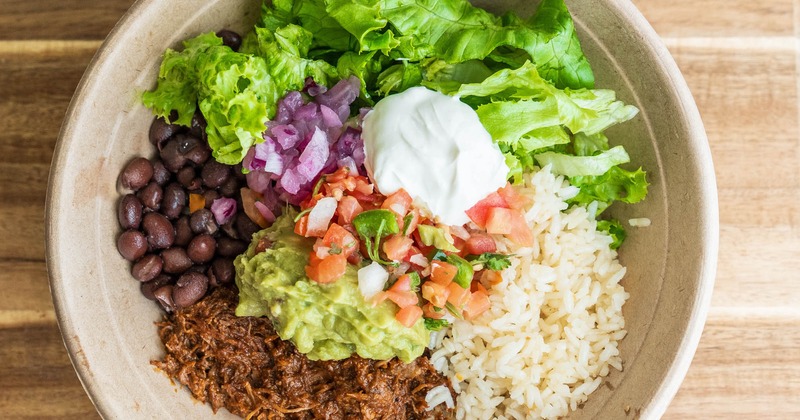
(740, 59)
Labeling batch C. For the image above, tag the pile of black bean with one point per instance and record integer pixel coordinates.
(179, 256)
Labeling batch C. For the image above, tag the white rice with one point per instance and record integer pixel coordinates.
(555, 321)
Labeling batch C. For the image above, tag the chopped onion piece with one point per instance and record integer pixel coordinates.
(418, 259)
(371, 280)
(315, 155)
(223, 209)
(459, 232)
(262, 208)
(329, 117)
(320, 216)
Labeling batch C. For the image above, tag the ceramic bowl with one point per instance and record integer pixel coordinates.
(107, 325)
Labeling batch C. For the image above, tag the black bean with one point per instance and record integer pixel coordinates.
(161, 174)
(173, 159)
(202, 221)
(221, 272)
(230, 188)
(201, 249)
(228, 247)
(198, 126)
(151, 196)
(187, 143)
(199, 155)
(183, 232)
(186, 175)
(237, 172)
(163, 296)
(151, 286)
(129, 212)
(174, 201)
(246, 227)
(132, 244)
(161, 131)
(175, 260)
(198, 268)
(215, 174)
(189, 288)
(231, 39)
(137, 174)
(230, 228)
(147, 268)
(210, 196)
(159, 231)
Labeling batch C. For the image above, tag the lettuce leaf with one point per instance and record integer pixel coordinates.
(616, 184)
(234, 93)
(177, 80)
(573, 166)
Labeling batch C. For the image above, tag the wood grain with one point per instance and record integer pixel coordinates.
(739, 58)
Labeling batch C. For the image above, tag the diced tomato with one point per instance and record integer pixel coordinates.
(409, 315)
(431, 311)
(402, 284)
(348, 208)
(338, 175)
(341, 238)
(478, 212)
(413, 222)
(498, 220)
(363, 186)
(491, 277)
(479, 243)
(249, 198)
(478, 303)
(435, 293)
(328, 269)
(397, 247)
(520, 231)
(301, 227)
(443, 272)
(514, 199)
(476, 286)
(401, 299)
(399, 202)
(458, 296)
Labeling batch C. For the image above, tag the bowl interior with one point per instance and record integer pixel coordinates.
(108, 326)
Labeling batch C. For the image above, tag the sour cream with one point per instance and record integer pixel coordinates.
(435, 147)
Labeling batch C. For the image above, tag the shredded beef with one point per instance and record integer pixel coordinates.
(241, 364)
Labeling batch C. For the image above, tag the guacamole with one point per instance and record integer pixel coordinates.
(324, 321)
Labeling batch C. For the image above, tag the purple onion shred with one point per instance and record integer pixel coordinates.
(310, 135)
(223, 209)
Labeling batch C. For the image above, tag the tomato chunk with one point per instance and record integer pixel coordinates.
(341, 238)
(409, 315)
(479, 212)
(480, 243)
(397, 247)
(498, 220)
(459, 296)
(443, 272)
(520, 231)
(433, 312)
(399, 202)
(435, 293)
(478, 303)
(514, 199)
(328, 269)
(348, 208)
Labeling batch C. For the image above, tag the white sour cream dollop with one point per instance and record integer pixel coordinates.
(435, 147)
